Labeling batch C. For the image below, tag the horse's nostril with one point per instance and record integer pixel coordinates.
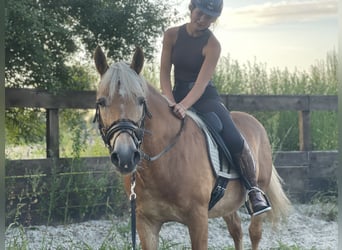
(136, 157)
(115, 158)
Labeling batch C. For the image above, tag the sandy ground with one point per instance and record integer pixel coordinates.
(304, 229)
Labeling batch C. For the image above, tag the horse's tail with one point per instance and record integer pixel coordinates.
(281, 205)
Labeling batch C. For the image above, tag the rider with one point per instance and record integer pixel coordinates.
(194, 51)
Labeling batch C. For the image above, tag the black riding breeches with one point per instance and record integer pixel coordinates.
(210, 102)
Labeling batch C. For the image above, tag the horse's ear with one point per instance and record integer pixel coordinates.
(100, 61)
(138, 60)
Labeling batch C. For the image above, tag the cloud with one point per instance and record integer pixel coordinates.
(278, 12)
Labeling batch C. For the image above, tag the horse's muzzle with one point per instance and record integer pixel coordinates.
(125, 159)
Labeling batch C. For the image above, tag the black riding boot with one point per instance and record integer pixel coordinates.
(258, 202)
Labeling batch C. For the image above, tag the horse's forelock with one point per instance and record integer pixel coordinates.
(121, 79)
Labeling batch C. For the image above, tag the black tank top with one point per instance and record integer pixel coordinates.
(187, 56)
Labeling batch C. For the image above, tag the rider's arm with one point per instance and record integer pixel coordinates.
(165, 64)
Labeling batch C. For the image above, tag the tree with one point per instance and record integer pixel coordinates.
(44, 38)
(43, 35)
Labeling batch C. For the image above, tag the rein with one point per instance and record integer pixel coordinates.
(132, 198)
(168, 147)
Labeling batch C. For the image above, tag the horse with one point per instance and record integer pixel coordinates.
(168, 158)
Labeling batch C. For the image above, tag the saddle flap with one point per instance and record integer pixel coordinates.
(213, 120)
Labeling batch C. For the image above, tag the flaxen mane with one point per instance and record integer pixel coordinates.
(121, 79)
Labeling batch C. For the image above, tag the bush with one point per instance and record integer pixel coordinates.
(67, 194)
(254, 78)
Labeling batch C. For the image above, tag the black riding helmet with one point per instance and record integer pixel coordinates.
(211, 8)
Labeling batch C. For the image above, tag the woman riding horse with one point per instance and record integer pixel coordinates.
(165, 162)
(194, 51)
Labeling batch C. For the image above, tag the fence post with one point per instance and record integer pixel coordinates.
(52, 133)
(304, 130)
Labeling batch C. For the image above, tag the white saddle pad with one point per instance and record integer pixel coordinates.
(213, 151)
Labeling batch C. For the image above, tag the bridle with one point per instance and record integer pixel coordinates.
(135, 129)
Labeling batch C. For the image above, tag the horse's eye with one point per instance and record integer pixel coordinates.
(101, 102)
(141, 100)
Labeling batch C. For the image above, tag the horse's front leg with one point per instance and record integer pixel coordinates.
(198, 230)
(148, 232)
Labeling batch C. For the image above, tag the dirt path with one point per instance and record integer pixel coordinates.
(303, 230)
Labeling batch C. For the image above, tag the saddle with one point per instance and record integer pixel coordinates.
(220, 158)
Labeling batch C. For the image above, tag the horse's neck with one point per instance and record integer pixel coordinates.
(162, 120)
(163, 126)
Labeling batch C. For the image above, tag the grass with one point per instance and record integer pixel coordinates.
(324, 206)
(291, 247)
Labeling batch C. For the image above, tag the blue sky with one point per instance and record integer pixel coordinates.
(293, 33)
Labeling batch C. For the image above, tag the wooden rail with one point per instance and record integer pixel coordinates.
(304, 171)
(304, 104)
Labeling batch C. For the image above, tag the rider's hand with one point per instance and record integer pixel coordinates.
(179, 110)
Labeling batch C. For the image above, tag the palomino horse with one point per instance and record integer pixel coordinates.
(169, 158)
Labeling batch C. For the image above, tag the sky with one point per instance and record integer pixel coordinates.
(291, 34)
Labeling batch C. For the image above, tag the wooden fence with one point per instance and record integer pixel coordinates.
(304, 172)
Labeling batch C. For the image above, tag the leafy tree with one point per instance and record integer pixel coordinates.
(44, 40)
(43, 35)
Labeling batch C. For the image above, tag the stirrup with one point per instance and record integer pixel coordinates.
(254, 189)
(248, 205)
